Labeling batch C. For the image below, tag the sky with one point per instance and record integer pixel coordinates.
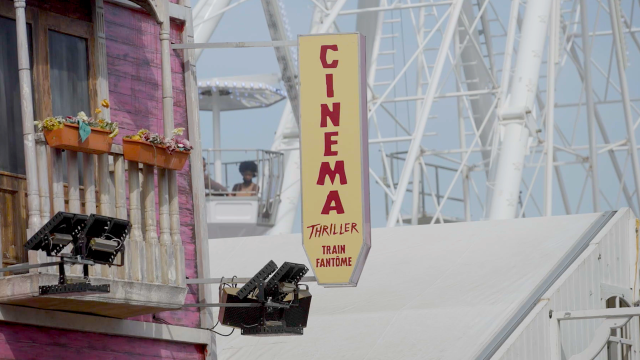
(255, 128)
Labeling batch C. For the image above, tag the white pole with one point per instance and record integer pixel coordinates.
(591, 122)
(521, 95)
(416, 194)
(26, 105)
(461, 132)
(206, 21)
(624, 89)
(414, 148)
(217, 158)
(552, 53)
(327, 22)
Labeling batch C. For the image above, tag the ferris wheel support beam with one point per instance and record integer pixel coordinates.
(206, 17)
(588, 85)
(414, 148)
(624, 90)
(573, 56)
(552, 58)
(513, 114)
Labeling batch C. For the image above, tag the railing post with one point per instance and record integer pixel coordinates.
(152, 252)
(89, 182)
(135, 259)
(166, 251)
(43, 188)
(43, 180)
(121, 206)
(73, 181)
(178, 249)
(105, 200)
(58, 196)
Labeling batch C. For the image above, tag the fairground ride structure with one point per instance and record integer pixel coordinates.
(479, 109)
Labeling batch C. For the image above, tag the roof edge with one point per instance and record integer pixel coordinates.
(534, 297)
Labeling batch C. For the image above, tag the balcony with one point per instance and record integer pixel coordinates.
(231, 213)
(152, 278)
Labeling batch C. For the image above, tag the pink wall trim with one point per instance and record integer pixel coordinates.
(135, 92)
(24, 342)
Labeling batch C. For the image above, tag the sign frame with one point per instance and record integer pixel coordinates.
(365, 235)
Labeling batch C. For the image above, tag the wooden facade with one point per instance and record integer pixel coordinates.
(130, 40)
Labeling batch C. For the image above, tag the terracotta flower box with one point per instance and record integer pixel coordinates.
(68, 138)
(156, 155)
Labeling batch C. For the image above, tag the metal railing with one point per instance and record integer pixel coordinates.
(219, 177)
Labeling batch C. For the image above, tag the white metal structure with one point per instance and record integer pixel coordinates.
(479, 290)
(531, 103)
(231, 214)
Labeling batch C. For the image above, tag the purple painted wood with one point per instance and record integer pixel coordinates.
(31, 342)
(135, 90)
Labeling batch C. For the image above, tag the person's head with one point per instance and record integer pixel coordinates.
(248, 170)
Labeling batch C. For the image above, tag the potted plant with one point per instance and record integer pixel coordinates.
(80, 133)
(154, 149)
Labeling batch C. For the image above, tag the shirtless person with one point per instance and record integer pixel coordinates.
(248, 170)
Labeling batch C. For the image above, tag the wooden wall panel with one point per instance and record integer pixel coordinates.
(30, 342)
(135, 90)
(13, 218)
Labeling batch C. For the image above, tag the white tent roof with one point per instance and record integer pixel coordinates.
(426, 292)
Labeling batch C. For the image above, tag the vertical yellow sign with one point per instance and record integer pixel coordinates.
(335, 158)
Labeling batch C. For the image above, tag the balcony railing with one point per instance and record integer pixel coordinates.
(153, 276)
(269, 177)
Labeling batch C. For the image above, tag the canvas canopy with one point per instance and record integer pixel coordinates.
(427, 292)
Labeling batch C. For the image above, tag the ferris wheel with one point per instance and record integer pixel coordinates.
(478, 109)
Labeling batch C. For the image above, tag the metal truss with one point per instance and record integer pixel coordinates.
(487, 108)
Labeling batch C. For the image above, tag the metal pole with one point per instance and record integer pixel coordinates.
(502, 98)
(217, 158)
(416, 194)
(552, 53)
(461, 131)
(624, 90)
(26, 106)
(206, 17)
(605, 136)
(511, 160)
(328, 21)
(591, 122)
(414, 148)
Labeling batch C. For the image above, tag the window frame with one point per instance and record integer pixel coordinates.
(41, 22)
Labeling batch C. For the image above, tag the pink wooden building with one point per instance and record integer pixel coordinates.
(59, 57)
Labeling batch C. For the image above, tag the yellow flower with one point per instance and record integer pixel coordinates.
(105, 103)
(135, 137)
(178, 131)
(98, 111)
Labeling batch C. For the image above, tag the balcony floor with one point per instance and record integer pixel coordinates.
(126, 299)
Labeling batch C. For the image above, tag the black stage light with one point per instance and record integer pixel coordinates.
(262, 275)
(103, 239)
(278, 306)
(94, 239)
(285, 280)
(57, 233)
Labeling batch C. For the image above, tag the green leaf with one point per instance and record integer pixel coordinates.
(85, 130)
